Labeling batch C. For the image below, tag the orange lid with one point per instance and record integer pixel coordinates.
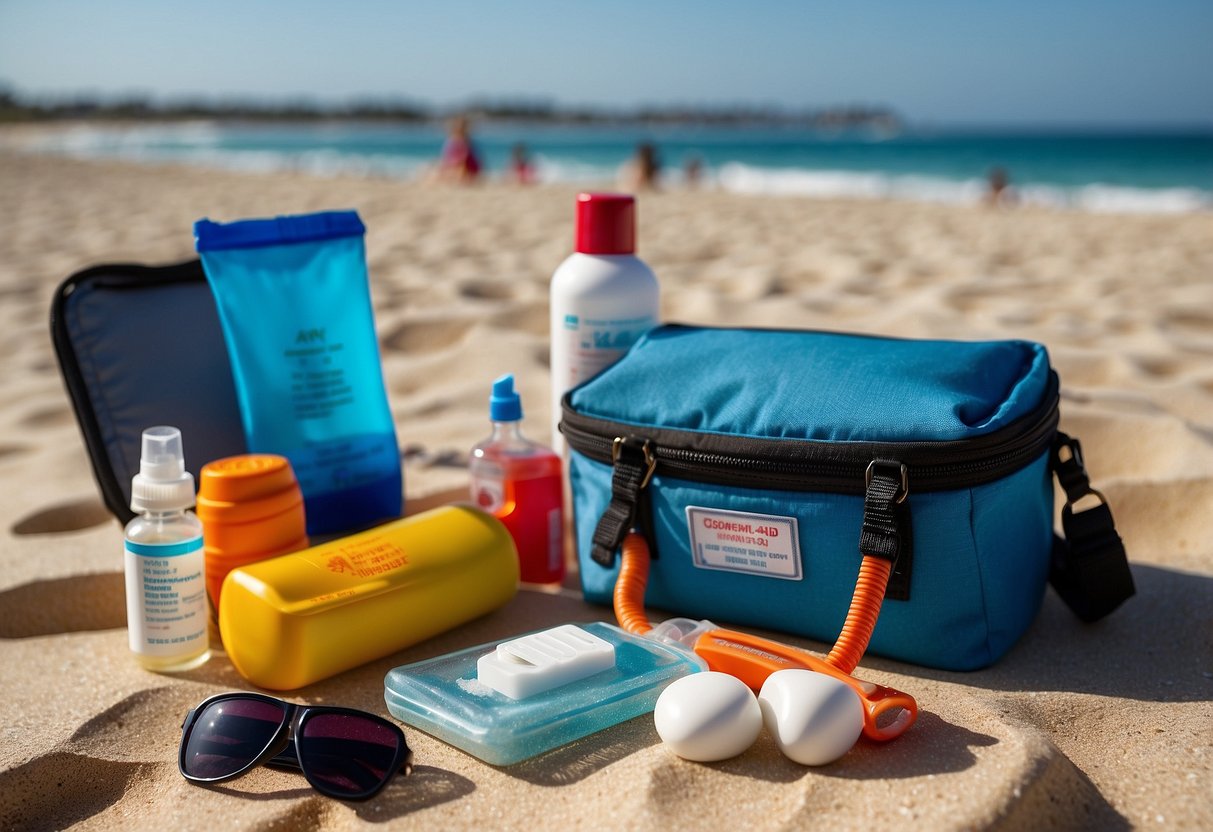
(249, 503)
(239, 489)
(251, 508)
(234, 479)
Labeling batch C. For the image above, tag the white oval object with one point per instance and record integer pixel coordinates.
(814, 718)
(708, 716)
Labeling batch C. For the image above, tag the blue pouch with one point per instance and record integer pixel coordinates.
(755, 460)
(294, 302)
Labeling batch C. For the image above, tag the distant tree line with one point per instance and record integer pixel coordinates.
(17, 108)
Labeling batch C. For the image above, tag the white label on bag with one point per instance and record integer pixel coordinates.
(735, 541)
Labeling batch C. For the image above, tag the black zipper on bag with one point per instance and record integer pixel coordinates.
(815, 465)
(1089, 568)
(880, 471)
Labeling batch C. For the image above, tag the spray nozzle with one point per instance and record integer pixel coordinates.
(162, 457)
(162, 483)
(505, 404)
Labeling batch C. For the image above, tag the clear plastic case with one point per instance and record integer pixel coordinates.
(445, 697)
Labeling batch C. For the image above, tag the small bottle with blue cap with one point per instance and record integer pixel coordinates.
(520, 482)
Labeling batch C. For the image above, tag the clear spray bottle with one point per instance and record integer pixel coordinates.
(166, 608)
(520, 483)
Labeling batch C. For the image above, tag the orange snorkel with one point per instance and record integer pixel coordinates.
(887, 712)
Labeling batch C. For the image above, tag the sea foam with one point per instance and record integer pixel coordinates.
(1096, 197)
(208, 144)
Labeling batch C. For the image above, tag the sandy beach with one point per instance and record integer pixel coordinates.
(1100, 726)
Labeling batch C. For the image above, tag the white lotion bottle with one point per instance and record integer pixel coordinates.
(603, 297)
(166, 606)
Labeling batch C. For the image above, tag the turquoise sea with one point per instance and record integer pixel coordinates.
(1094, 171)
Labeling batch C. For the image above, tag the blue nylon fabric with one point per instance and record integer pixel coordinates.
(818, 385)
(981, 560)
(981, 554)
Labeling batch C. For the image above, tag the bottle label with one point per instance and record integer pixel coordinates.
(166, 609)
(488, 485)
(367, 557)
(597, 343)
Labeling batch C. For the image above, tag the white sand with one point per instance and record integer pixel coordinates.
(1099, 726)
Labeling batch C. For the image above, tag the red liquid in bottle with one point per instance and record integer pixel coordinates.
(520, 482)
(525, 492)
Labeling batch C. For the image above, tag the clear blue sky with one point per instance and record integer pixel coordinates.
(1093, 62)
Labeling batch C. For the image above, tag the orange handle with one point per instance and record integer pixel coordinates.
(862, 614)
(629, 586)
(887, 712)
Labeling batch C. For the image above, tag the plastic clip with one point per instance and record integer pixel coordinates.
(1089, 569)
(527, 666)
(634, 462)
(650, 460)
(903, 491)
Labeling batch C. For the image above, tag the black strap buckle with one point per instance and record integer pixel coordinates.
(1089, 569)
(1071, 469)
(634, 462)
(904, 474)
(887, 532)
(621, 443)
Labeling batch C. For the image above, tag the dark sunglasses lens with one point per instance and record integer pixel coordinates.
(229, 734)
(347, 754)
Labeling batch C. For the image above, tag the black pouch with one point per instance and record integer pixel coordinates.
(141, 346)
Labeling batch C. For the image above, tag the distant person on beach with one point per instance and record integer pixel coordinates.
(458, 162)
(643, 170)
(522, 172)
(999, 192)
(692, 172)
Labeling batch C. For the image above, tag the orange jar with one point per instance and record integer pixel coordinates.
(251, 509)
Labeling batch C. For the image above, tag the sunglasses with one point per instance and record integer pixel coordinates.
(343, 753)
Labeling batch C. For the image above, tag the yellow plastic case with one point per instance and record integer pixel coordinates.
(302, 617)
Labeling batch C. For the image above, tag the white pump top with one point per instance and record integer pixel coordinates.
(162, 483)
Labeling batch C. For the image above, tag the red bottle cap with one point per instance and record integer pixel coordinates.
(606, 224)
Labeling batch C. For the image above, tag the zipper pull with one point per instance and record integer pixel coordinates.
(634, 463)
(1089, 568)
(886, 531)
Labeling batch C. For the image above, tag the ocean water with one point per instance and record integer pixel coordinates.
(1119, 172)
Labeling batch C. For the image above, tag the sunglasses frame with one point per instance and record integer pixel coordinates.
(282, 750)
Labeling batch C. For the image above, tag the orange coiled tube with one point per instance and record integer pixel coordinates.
(629, 586)
(848, 649)
(861, 617)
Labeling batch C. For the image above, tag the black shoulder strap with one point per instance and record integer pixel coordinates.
(1089, 567)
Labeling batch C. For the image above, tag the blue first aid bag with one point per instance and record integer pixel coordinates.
(749, 459)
